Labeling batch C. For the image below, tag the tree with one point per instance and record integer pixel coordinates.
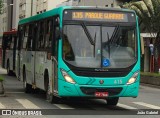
(149, 14)
(1, 6)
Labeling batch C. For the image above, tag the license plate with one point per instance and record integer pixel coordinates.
(101, 94)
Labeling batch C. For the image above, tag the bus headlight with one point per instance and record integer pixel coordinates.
(133, 78)
(67, 77)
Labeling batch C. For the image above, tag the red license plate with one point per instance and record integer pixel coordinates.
(101, 94)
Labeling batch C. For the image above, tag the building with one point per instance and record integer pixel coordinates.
(45, 5)
(26, 8)
(29, 8)
(9, 16)
(102, 3)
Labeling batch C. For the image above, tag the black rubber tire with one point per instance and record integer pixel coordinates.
(9, 72)
(49, 96)
(27, 87)
(112, 101)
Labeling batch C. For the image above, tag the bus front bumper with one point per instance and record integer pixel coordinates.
(75, 90)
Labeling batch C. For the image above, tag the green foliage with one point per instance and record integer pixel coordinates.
(150, 74)
(1, 78)
(148, 12)
(149, 15)
(1, 6)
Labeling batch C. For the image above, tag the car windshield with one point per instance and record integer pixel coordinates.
(98, 46)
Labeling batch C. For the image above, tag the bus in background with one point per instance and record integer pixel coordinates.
(9, 51)
(80, 52)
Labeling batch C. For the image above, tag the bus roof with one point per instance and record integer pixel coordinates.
(60, 9)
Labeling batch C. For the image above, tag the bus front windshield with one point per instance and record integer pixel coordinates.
(99, 46)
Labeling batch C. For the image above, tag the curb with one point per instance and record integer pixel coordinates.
(150, 85)
(150, 80)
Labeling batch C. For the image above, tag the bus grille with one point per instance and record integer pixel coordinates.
(91, 91)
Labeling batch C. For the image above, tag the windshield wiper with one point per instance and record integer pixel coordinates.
(108, 44)
(88, 34)
(114, 34)
(95, 37)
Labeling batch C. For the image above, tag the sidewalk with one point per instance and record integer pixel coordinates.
(2, 71)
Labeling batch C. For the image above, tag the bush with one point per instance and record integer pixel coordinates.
(1, 79)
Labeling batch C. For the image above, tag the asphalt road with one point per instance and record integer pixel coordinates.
(148, 100)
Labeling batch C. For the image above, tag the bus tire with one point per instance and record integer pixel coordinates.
(49, 96)
(9, 72)
(27, 87)
(112, 101)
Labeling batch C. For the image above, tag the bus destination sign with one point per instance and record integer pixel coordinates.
(110, 16)
(97, 15)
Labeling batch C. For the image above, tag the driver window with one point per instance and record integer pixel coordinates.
(67, 49)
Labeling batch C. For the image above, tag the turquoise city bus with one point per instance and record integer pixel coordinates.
(87, 52)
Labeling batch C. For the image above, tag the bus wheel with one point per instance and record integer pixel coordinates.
(27, 87)
(49, 96)
(112, 101)
(9, 72)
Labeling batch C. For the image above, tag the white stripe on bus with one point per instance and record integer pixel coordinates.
(27, 104)
(147, 105)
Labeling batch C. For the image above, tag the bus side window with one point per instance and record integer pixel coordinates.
(38, 36)
(12, 42)
(56, 34)
(34, 36)
(8, 42)
(41, 35)
(49, 34)
(19, 37)
(30, 37)
(26, 32)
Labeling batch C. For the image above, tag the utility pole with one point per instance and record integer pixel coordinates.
(31, 7)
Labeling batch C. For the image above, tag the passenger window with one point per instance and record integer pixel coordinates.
(49, 34)
(8, 41)
(26, 32)
(30, 37)
(20, 37)
(41, 39)
(12, 42)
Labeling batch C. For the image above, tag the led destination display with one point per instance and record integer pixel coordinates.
(110, 16)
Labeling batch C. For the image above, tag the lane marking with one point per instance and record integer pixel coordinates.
(125, 106)
(2, 106)
(63, 106)
(27, 104)
(147, 105)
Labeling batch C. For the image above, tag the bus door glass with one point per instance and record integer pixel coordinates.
(31, 52)
(14, 38)
(55, 53)
(19, 41)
